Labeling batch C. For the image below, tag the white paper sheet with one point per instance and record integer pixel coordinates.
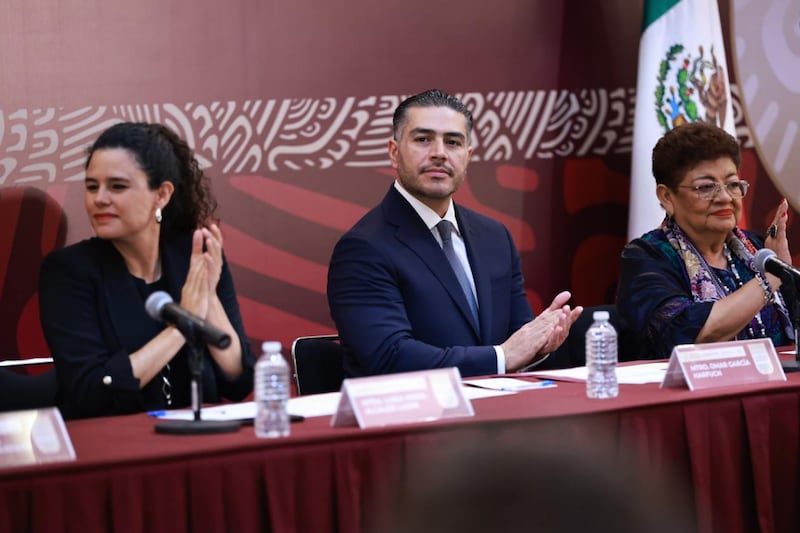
(477, 393)
(314, 404)
(628, 374)
(305, 406)
(509, 384)
(228, 411)
(30, 361)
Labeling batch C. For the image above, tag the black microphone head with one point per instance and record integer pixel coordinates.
(761, 258)
(155, 304)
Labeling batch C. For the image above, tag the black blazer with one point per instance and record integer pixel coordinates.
(93, 318)
(396, 301)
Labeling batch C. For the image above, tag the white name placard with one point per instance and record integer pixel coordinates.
(404, 398)
(722, 364)
(34, 436)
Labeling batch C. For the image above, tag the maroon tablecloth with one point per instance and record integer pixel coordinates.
(735, 448)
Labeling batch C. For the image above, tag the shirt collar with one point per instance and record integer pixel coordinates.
(428, 215)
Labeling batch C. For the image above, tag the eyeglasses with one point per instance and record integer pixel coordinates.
(709, 191)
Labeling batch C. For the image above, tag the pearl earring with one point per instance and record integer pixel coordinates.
(158, 215)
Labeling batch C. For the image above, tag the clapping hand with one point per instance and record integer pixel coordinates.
(776, 233)
(196, 293)
(541, 335)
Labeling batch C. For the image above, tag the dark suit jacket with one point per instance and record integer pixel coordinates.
(93, 318)
(397, 303)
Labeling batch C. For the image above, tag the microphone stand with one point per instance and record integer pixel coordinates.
(794, 314)
(197, 425)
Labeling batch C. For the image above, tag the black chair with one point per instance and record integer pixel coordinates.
(573, 352)
(20, 391)
(318, 364)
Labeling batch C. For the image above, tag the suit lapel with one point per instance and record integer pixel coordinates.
(415, 235)
(125, 306)
(477, 255)
(175, 256)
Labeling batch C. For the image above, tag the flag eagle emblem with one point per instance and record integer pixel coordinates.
(698, 86)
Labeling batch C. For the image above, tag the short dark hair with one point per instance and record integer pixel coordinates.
(430, 98)
(684, 147)
(164, 156)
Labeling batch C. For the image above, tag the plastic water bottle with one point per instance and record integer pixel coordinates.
(272, 392)
(601, 358)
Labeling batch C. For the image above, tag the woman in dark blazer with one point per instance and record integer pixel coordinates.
(149, 205)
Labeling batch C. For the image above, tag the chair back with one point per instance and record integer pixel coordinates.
(20, 391)
(318, 364)
(33, 224)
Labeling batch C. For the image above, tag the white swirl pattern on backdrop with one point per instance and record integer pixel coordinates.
(40, 147)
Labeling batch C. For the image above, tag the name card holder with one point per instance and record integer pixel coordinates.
(405, 398)
(34, 436)
(723, 364)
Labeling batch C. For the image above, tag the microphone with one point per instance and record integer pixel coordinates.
(766, 261)
(160, 306)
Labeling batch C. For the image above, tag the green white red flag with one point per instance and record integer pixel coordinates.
(682, 77)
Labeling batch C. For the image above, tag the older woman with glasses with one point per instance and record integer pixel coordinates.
(693, 280)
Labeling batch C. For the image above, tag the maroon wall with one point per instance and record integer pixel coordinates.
(288, 105)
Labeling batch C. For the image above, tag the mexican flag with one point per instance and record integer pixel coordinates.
(683, 77)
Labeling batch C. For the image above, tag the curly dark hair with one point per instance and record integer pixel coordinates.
(429, 98)
(163, 156)
(683, 148)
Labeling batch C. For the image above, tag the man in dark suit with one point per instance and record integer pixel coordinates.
(408, 291)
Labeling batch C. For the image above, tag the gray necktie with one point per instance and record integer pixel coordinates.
(445, 228)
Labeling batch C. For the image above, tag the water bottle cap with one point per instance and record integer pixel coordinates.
(600, 315)
(271, 347)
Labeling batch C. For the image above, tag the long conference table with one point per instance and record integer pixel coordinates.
(737, 449)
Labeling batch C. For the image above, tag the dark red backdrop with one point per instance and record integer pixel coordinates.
(288, 106)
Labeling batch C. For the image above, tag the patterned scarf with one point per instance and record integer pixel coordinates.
(705, 284)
